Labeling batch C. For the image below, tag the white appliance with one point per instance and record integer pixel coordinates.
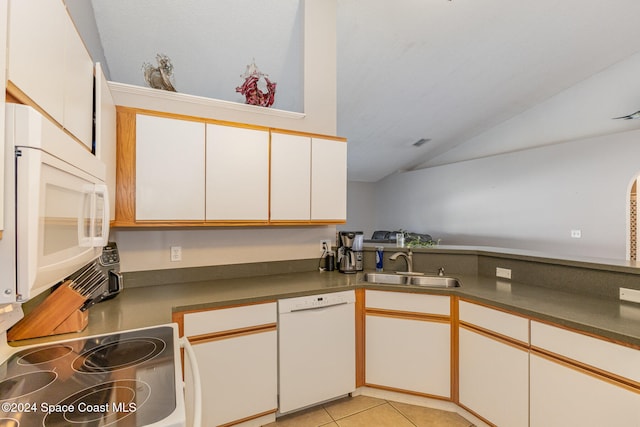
(316, 339)
(57, 221)
(55, 203)
(130, 378)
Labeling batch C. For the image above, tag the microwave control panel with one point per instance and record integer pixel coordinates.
(110, 255)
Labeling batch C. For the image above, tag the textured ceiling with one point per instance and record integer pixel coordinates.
(477, 78)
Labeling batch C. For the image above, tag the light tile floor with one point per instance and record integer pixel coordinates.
(364, 411)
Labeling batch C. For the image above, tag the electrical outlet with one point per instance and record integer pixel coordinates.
(632, 295)
(505, 273)
(325, 245)
(176, 253)
(576, 234)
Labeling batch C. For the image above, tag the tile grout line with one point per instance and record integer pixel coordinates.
(401, 413)
(335, 420)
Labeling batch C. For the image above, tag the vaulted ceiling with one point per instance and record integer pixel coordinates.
(474, 78)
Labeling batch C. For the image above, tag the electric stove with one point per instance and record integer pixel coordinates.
(129, 379)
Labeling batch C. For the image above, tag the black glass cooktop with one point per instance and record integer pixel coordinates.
(124, 379)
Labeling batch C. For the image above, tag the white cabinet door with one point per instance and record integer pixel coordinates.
(170, 169)
(50, 64)
(408, 342)
(237, 175)
(290, 177)
(410, 355)
(494, 379)
(239, 377)
(37, 50)
(106, 134)
(78, 86)
(328, 179)
(565, 396)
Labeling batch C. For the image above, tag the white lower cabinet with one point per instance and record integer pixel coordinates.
(494, 364)
(511, 371)
(580, 380)
(408, 342)
(411, 355)
(494, 379)
(238, 360)
(238, 376)
(565, 396)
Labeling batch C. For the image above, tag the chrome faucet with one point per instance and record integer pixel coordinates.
(407, 256)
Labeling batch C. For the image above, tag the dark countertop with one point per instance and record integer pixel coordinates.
(153, 305)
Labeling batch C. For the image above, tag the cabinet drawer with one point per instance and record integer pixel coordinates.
(506, 324)
(601, 354)
(403, 301)
(226, 319)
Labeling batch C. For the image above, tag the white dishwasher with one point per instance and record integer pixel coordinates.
(317, 346)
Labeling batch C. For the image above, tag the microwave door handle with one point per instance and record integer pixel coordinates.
(86, 218)
(102, 239)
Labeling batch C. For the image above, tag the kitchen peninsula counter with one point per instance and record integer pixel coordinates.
(139, 307)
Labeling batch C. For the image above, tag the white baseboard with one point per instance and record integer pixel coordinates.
(419, 401)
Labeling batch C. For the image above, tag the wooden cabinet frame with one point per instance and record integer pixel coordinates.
(126, 175)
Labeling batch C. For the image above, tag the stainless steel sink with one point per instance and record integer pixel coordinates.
(424, 281)
(435, 281)
(387, 279)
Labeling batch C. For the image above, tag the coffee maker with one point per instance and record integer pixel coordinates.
(350, 255)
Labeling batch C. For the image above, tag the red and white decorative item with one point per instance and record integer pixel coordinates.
(252, 92)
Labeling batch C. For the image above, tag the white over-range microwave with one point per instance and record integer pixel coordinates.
(56, 214)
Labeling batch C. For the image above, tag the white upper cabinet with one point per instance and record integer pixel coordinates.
(50, 65)
(237, 174)
(106, 133)
(308, 178)
(36, 52)
(190, 171)
(290, 177)
(328, 180)
(78, 86)
(170, 169)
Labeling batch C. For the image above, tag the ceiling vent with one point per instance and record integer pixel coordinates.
(421, 142)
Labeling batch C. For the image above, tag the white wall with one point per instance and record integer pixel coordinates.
(360, 212)
(149, 249)
(526, 200)
(81, 12)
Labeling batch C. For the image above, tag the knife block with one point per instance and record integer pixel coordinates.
(59, 313)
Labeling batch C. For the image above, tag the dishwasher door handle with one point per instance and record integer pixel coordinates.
(297, 310)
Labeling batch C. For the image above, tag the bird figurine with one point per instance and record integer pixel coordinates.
(632, 116)
(160, 77)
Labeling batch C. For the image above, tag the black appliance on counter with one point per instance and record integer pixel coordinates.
(382, 236)
(107, 266)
